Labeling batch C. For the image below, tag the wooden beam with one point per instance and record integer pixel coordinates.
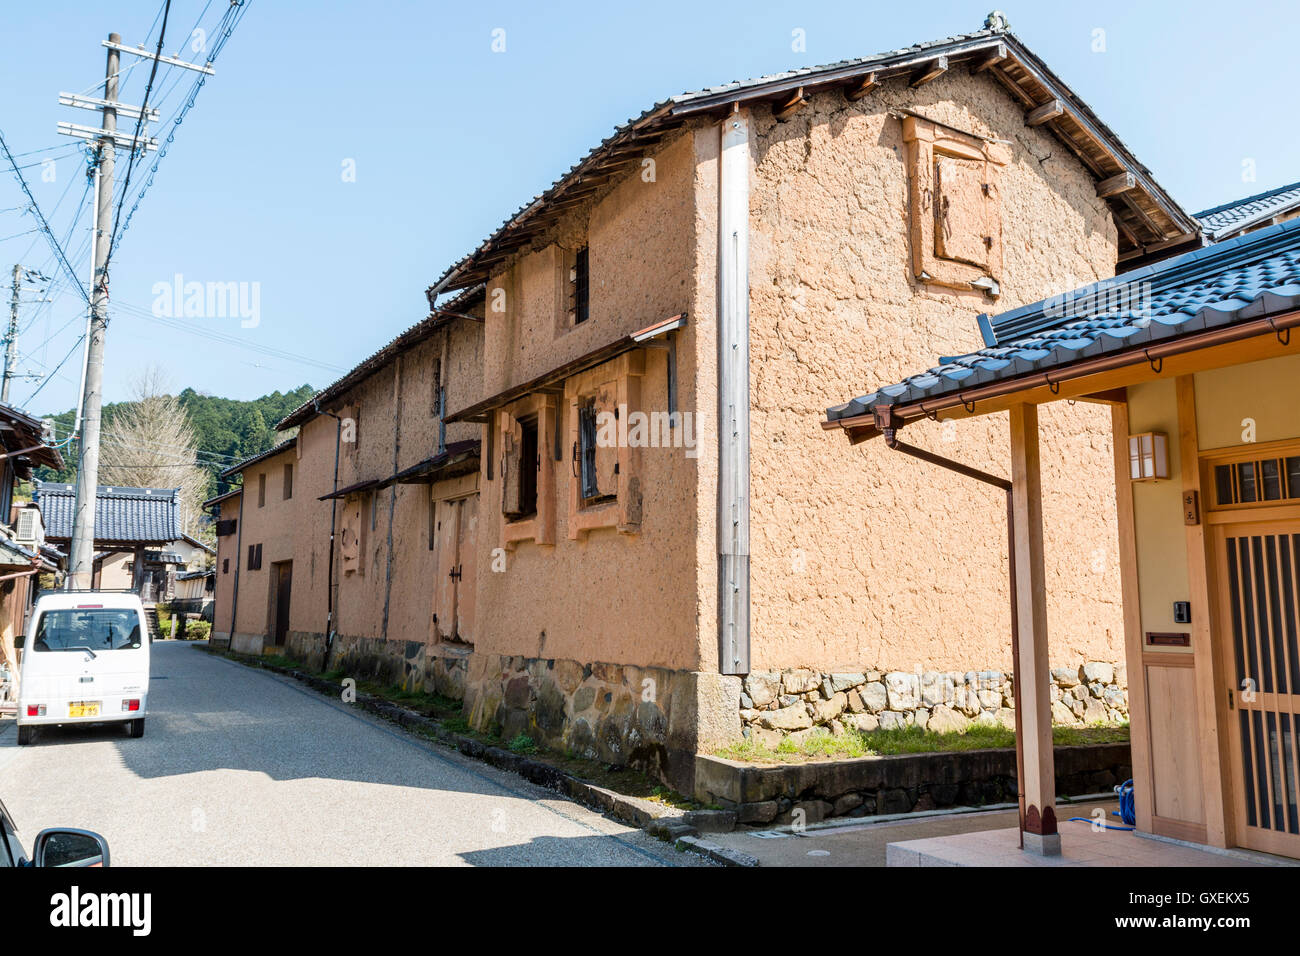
(1130, 202)
(784, 108)
(1111, 396)
(995, 56)
(1114, 185)
(1210, 706)
(1041, 114)
(1035, 742)
(928, 71)
(864, 85)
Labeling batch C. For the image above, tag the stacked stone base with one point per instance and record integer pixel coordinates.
(906, 783)
(649, 718)
(411, 665)
(799, 702)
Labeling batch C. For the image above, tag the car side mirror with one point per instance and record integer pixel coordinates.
(18, 641)
(68, 847)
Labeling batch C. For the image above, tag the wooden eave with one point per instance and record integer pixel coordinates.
(1102, 379)
(551, 381)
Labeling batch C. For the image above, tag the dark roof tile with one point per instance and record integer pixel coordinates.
(1234, 281)
(141, 515)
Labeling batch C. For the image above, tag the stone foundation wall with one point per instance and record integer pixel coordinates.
(865, 786)
(800, 702)
(411, 665)
(650, 718)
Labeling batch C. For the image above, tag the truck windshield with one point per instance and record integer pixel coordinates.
(97, 629)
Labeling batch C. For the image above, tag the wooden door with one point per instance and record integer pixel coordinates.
(466, 567)
(455, 537)
(446, 537)
(283, 588)
(1258, 585)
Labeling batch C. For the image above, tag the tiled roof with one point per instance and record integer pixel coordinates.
(217, 499)
(239, 466)
(1223, 221)
(140, 515)
(1027, 78)
(26, 434)
(190, 539)
(1250, 277)
(13, 554)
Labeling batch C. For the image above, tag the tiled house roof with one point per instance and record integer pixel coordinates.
(25, 434)
(1250, 277)
(1230, 218)
(125, 515)
(239, 466)
(1145, 214)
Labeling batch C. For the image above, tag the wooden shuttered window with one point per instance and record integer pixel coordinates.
(598, 445)
(520, 463)
(964, 209)
(598, 428)
(587, 449)
(351, 554)
(579, 288)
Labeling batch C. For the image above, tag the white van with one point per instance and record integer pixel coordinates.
(85, 660)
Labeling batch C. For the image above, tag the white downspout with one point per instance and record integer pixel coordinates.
(733, 395)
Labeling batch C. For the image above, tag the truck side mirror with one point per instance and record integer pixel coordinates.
(19, 639)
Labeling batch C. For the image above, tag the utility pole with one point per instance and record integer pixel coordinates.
(106, 139)
(82, 557)
(11, 340)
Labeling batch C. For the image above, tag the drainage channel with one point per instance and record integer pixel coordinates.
(859, 823)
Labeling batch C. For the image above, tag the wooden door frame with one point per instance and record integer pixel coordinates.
(1211, 704)
(450, 493)
(1264, 520)
(447, 506)
(1218, 521)
(273, 617)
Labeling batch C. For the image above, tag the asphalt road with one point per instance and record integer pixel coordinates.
(242, 767)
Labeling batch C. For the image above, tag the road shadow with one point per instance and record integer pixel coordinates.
(209, 714)
(553, 851)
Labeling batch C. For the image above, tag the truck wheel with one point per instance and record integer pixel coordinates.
(25, 735)
(136, 727)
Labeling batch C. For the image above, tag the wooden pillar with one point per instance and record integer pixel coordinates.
(1211, 705)
(1035, 741)
(137, 568)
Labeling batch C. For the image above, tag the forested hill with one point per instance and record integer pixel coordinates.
(225, 429)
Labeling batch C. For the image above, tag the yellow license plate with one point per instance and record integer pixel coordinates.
(84, 709)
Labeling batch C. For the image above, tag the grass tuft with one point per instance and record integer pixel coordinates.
(522, 744)
(908, 740)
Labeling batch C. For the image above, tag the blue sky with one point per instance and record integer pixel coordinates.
(449, 137)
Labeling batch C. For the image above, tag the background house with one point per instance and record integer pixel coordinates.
(136, 530)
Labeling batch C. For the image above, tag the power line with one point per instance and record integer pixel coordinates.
(36, 209)
(139, 123)
(230, 19)
(65, 358)
(190, 329)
